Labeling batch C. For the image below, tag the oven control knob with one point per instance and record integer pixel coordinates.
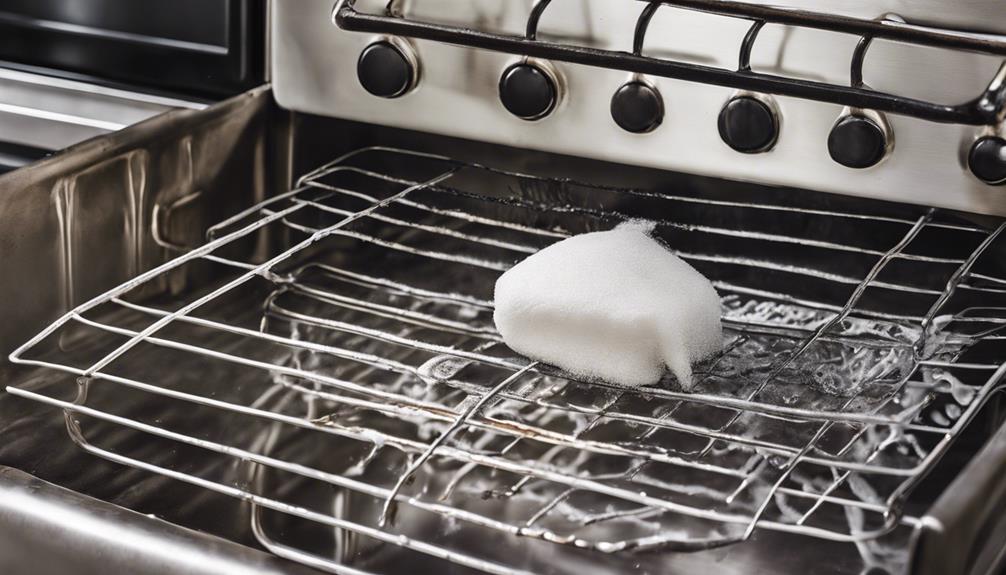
(987, 160)
(637, 107)
(749, 125)
(528, 91)
(857, 142)
(386, 69)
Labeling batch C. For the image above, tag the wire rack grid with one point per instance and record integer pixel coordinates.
(834, 395)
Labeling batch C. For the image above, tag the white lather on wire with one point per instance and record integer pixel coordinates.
(613, 305)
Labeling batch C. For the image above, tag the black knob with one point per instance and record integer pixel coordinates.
(637, 107)
(857, 142)
(528, 92)
(748, 125)
(384, 70)
(987, 160)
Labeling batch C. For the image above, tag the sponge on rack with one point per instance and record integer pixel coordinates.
(614, 305)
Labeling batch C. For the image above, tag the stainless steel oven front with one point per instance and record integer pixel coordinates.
(270, 320)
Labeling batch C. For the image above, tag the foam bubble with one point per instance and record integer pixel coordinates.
(614, 305)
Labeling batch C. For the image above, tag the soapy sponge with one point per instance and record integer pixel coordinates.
(615, 305)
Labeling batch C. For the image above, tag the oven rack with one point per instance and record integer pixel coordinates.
(515, 428)
(986, 109)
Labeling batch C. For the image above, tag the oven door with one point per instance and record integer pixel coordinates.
(200, 48)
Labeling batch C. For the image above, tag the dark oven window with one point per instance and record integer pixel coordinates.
(199, 47)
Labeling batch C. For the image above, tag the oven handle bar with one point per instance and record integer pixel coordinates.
(50, 529)
(986, 109)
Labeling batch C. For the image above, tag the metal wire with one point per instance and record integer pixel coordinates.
(529, 434)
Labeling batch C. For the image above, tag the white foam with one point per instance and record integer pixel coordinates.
(615, 305)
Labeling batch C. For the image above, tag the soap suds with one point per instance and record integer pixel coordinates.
(615, 306)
